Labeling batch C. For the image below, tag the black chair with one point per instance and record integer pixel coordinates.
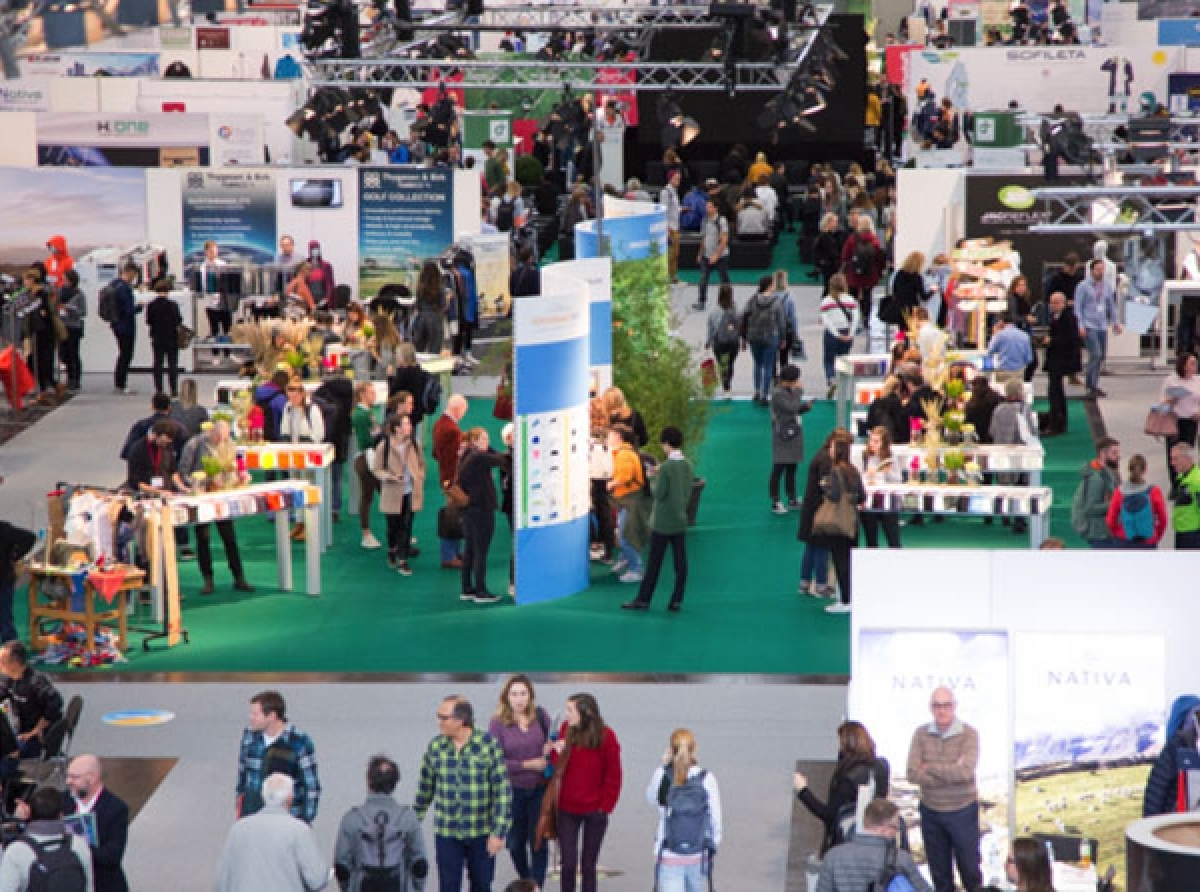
(703, 170)
(51, 765)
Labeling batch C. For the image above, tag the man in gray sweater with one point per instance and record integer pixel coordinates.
(271, 849)
(853, 866)
(942, 761)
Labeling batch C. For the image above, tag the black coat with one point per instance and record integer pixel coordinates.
(411, 379)
(112, 832)
(475, 477)
(340, 392)
(15, 543)
(1063, 356)
(843, 791)
(908, 291)
(163, 319)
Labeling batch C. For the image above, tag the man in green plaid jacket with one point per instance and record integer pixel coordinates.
(464, 778)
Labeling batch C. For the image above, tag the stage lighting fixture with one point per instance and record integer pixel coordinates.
(677, 129)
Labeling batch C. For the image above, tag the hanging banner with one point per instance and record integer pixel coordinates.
(84, 64)
(235, 209)
(551, 485)
(493, 264)
(26, 94)
(1088, 80)
(405, 215)
(85, 139)
(597, 273)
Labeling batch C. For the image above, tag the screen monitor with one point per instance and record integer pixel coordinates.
(317, 193)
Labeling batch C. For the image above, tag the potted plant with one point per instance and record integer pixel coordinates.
(954, 462)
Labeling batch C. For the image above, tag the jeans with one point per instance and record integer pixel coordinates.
(124, 359)
(166, 358)
(8, 626)
(204, 548)
(952, 837)
(528, 862)
(68, 354)
(814, 566)
(399, 530)
(1096, 342)
(722, 268)
(629, 554)
(450, 549)
(788, 473)
(569, 825)
(658, 550)
(478, 525)
(454, 854)
(683, 877)
(764, 366)
(833, 348)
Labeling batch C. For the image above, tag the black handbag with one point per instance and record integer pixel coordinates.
(449, 523)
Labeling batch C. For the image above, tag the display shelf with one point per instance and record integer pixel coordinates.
(967, 500)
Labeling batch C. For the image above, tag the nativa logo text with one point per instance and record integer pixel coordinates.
(1018, 198)
(10, 94)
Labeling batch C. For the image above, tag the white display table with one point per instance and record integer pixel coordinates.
(965, 500)
(315, 458)
(991, 458)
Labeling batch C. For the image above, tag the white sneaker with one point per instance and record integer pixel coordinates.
(630, 576)
(620, 567)
(470, 359)
(777, 508)
(838, 607)
(369, 540)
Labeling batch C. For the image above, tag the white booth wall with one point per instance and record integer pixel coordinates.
(930, 213)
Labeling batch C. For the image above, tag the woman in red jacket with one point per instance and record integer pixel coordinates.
(1137, 514)
(591, 785)
(863, 261)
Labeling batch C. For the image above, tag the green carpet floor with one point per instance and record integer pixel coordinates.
(742, 613)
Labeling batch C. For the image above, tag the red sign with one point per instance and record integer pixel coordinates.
(614, 78)
(895, 61)
(212, 38)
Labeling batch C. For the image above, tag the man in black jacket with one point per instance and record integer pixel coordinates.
(163, 319)
(1063, 358)
(86, 794)
(34, 700)
(152, 461)
(15, 543)
(124, 325)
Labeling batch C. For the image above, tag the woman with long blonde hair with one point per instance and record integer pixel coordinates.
(682, 864)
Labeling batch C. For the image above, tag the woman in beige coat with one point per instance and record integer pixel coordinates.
(400, 467)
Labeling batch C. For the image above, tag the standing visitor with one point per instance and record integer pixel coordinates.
(942, 760)
(714, 250)
(46, 831)
(787, 438)
(72, 307)
(522, 729)
(724, 335)
(689, 817)
(668, 523)
(630, 492)
(1096, 305)
(301, 422)
(58, 262)
(842, 484)
(814, 566)
(1089, 507)
(862, 264)
(271, 746)
(827, 248)
(880, 467)
(272, 849)
(379, 828)
(479, 516)
(791, 333)
(1185, 497)
(163, 320)
(590, 758)
(857, 766)
(366, 430)
(447, 447)
(216, 310)
(87, 794)
(1063, 358)
(669, 197)
(400, 468)
(1181, 391)
(1137, 514)
(45, 336)
(1028, 867)
(763, 327)
(123, 324)
(855, 866)
(840, 319)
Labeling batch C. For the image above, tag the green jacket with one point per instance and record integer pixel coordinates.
(1089, 513)
(1185, 498)
(672, 491)
(363, 419)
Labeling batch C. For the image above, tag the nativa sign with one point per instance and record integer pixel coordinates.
(24, 99)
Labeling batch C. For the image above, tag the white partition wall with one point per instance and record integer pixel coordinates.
(928, 202)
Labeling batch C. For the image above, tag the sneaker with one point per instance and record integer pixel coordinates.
(369, 541)
(470, 360)
(467, 596)
(486, 598)
(620, 567)
(392, 561)
(412, 540)
(698, 307)
(794, 504)
(403, 569)
(777, 507)
(241, 585)
(512, 590)
(596, 552)
(824, 591)
(805, 589)
(830, 391)
(838, 607)
(630, 576)
(187, 554)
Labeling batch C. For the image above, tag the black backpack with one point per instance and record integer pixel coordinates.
(329, 416)
(864, 258)
(431, 394)
(505, 214)
(728, 331)
(107, 307)
(56, 867)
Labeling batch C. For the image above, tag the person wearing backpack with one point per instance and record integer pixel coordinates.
(1089, 507)
(714, 250)
(763, 327)
(380, 846)
(122, 310)
(631, 493)
(873, 859)
(724, 335)
(689, 818)
(862, 264)
(858, 771)
(1137, 514)
(47, 856)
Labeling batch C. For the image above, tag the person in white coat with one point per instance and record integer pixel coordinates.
(683, 871)
(271, 849)
(301, 422)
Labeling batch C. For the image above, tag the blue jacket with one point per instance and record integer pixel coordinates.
(124, 324)
(1178, 755)
(273, 402)
(470, 296)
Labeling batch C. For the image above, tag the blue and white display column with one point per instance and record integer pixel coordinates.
(597, 273)
(551, 486)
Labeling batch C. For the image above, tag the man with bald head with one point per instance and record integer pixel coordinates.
(214, 441)
(86, 794)
(942, 762)
(447, 447)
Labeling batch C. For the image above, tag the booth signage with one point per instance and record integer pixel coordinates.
(85, 64)
(135, 140)
(28, 96)
(236, 209)
(405, 215)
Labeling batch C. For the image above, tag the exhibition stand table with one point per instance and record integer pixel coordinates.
(991, 458)
(85, 585)
(314, 458)
(860, 377)
(965, 500)
(226, 387)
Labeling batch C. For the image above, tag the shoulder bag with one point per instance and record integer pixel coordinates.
(547, 822)
(835, 516)
(1160, 423)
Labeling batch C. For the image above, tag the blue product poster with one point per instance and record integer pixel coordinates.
(405, 215)
(235, 209)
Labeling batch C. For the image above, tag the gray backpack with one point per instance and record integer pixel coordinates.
(687, 828)
(381, 853)
(762, 320)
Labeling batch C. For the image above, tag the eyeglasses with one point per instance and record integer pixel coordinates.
(936, 704)
(295, 390)
(444, 718)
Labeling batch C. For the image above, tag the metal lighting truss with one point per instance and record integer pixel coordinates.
(399, 69)
(1138, 209)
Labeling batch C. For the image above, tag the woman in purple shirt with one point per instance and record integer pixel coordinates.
(522, 729)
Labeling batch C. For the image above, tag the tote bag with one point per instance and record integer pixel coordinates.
(835, 515)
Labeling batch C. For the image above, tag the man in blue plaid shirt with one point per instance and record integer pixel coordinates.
(271, 746)
(464, 778)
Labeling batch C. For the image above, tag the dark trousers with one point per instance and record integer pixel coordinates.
(658, 550)
(219, 321)
(888, 522)
(204, 548)
(528, 862)
(68, 355)
(952, 837)
(1057, 397)
(839, 553)
(1187, 541)
(367, 487)
(725, 357)
(863, 295)
(602, 508)
(399, 531)
(478, 526)
(8, 627)
(593, 826)
(1187, 434)
(722, 268)
(788, 473)
(45, 354)
(455, 854)
(124, 359)
(166, 358)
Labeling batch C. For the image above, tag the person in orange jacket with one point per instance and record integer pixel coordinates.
(58, 262)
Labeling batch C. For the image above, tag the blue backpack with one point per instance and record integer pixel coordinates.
(1137, 518)
(691, 212)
